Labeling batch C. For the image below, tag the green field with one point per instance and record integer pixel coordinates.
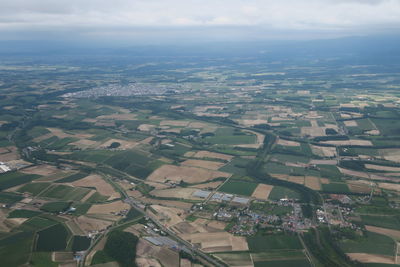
(11, 179)
(9, 197)
(36, 224)
(279, 192)
(96, 197)
(336, 188)
(278, 254)
(23, 214)
(34, 188)
(283, 263)
(42, 259)
(391, 222)
(101, 257)
(73, 177)
(53, 238)
(290, 158)
(15, 249)
(230, 136)
(80, 243)
(238, 187)
(372, 243)
(235, 259)
(236, 166)
(56, 207)
(65, 192)
(261, 243)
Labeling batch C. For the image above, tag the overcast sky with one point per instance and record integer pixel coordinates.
(191, 19)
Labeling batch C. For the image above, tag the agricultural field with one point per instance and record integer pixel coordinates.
(183, 161)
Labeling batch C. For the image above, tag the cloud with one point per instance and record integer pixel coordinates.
(93, 16)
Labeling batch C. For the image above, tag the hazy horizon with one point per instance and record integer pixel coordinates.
(175, 21)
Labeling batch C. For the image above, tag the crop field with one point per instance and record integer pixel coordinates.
(56, 207)
(278, 254)
(65, 192)
(290, 158)
(42, 170)
(43, 259)
(279, 192)
(391, 222)
(260, 243)
(262, 191)
(96, 181)
(15, 249)
(238, 187)
(283, 263)
(206, 164)
(12, 179)
(80, 243)
(113, 207)
(183, 173)
(227, 136)
(9, 197)
(336, 187)
(36, 223)
(217, 242)
(372, 243)
(73, 177)
(235, 259)
(88, 224)
(212, 155)
(34, 188)
(53, 238)
(311, 139)
(23, 214)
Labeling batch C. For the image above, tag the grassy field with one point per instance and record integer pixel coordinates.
(283, 263)
(15, 249)
(23, 214)
(278, 254)
(34, 188)
(135, 163)
(42, 259)
(96, 197)
(56, 207)
(371, 243)
(336, 187)
(53, 238)
(235, 259)
(391, 222)
(11, 179)
(9, 197)
(35, 224)
(290, 158)
(330, 171)
(97, 156)
(101, 257)
(387, 126)
(273, 167)
(238, 187)
(261, 243)
(279, 192)
(73, 177)
(80, 243)
(65, 192)
(230, 136)
(236, 166)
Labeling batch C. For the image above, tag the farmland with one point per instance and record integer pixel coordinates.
(236, 161)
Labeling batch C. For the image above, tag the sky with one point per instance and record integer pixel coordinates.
(196, 20)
